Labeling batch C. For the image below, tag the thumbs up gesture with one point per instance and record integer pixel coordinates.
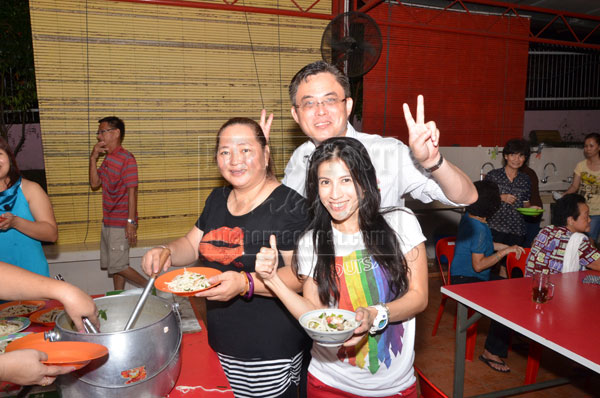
(267, 260)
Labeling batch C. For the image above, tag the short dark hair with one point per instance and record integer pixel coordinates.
(565, 207)
(13, 170)
(314, 69)
(488, 200)
(594, 136)
(258, 133)
(516, 145)
(115, 123)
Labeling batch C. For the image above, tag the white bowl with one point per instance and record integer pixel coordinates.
(324, 338)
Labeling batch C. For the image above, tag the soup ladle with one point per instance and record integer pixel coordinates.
(164, 255)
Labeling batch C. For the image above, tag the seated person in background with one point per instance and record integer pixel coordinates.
(563, 247)
(474, 255)
(24, 367)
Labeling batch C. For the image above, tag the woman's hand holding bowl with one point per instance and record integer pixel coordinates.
(365, 316)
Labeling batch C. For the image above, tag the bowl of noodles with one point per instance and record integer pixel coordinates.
(329, 327)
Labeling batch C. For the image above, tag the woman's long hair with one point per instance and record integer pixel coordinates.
(13, 171)
(380, 239)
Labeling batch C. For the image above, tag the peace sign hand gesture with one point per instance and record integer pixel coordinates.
(423, 138)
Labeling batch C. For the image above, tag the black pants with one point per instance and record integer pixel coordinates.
(498, 336)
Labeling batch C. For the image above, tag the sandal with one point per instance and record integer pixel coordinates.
(489, 363)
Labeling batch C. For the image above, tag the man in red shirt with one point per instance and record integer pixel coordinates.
(118, 177)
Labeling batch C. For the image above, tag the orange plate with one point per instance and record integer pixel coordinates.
(35, 317)
(38, 303)
(61, 353)
(161, 281)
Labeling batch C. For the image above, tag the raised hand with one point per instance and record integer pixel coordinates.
(265, 123)
(423, 138)
(267, 260)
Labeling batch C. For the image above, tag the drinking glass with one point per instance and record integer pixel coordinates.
(542, 289)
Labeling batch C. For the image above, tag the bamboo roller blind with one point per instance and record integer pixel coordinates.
(174, 75)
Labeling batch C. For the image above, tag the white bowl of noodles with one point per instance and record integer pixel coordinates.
(329, 327)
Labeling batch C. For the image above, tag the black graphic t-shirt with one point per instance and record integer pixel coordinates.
(259, 328)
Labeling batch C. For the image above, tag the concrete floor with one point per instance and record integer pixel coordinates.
(435, 358)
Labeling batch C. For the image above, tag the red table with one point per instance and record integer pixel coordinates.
(564, 324)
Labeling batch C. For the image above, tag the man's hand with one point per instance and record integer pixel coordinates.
(99, 149)
(232, 284)
(24, 367)
(423, 138)
(131, 234)
(78, 304)
(265, 123)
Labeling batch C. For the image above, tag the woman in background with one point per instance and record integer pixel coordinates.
(475, 253)
(26, 217)
(586, 181)
(507, 224)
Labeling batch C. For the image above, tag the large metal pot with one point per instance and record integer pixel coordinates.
(144, 361)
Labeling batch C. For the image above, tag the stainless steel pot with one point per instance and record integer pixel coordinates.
(144, 361)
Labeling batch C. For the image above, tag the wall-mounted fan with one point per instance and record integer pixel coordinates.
(352, 42)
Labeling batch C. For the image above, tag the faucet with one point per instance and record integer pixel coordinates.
(545, 179)
(481, 174)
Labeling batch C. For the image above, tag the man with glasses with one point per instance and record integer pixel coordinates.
(321, 105)
(118, 177)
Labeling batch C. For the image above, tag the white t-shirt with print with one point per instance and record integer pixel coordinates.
(384, 364)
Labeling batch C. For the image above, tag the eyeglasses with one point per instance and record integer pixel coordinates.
(105, 130)
(329, 102)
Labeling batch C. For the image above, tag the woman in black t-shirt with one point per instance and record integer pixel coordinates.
(258, 342)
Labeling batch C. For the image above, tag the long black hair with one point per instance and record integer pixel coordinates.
(380, 239)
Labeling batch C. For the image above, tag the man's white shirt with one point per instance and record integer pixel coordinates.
(397, 172)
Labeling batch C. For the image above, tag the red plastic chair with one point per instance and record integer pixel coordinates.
(512, 262)
(445, 247)
(535, 350)
(428, 389)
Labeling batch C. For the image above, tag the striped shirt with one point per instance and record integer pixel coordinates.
(262, 378)
(118, 172)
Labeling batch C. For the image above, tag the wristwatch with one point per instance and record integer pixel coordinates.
(132, 222)
(435, 166)
(381, 319)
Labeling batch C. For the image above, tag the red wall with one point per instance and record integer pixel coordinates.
(473, 84)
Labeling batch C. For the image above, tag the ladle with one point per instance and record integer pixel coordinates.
(164, 255)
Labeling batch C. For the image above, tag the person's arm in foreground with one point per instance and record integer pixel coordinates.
(44, 226)
(423, 140)
(24, 367)
(19, 284)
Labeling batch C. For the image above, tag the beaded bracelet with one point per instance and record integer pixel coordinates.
(248, 295)
(246, 284)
